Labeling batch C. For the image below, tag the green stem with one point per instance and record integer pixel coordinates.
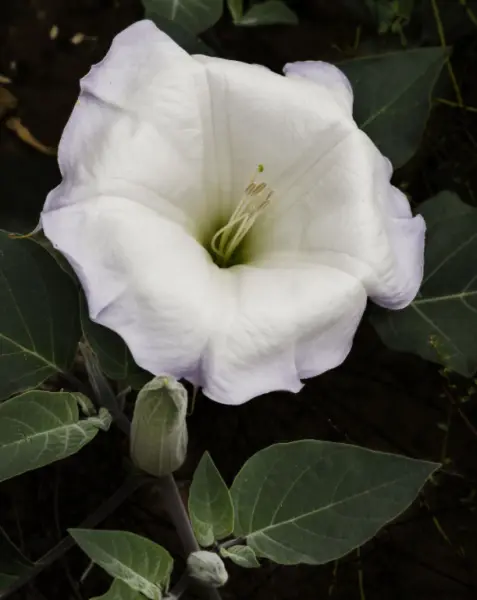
(167, 484)
(180, 587)
(233, 542)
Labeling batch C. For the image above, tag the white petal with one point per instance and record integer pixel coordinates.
(343, 211)
(285, 320)
(325, 75)
(260, 117)
(139, 129)
(144, 278)
(237, 332)
(159, 144)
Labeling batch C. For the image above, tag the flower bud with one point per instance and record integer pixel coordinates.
(207, 567)
(159, 430)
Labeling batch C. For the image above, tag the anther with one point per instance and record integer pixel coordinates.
(227, 239)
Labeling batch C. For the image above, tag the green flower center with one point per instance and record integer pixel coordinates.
(227, 246)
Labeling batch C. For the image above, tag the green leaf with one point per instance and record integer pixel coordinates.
(64, 265)
(236, 9)
(119, 591)
(313, 502)
(392, 97)
(187, 40)
(113, 355)
(143, 565)
(210, 504)
(441, 324)
(386, 14)
(38, 428)
(39, 328)
(193, 15)
(12, 562)
(243, 556)
(270, 12)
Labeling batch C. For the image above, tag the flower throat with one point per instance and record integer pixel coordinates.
(227, 239)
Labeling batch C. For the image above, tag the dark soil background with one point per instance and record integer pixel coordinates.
(379, 399)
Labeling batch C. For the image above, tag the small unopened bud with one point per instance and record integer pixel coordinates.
(158, 429)
(207, 567)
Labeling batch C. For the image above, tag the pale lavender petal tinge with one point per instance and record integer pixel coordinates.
(159, 151)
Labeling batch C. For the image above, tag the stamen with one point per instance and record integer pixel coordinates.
(227, 239)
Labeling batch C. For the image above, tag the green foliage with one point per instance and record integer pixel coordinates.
(441, 324)
(391, 15)
(210, 504)
(243, 556)
(194, 16)
(140, 563)
(120, 591)
(12, 562)
(236, 9)
(392, 97)
(39, 328)
(113, 355)
(38, 428)
(313, 502)
(270, 12)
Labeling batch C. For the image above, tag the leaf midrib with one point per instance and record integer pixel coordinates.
(445, 298)
(268, 528)
(124, 567)
(29, 439)
(30, 352)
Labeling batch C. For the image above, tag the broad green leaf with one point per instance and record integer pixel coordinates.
(188, 41)
(270, 12)
(39, 325)
(243, 556)
(143, 565)
(64, 265)
(236, 9)
(12, 562)
(193, 15)
(112, 353)
(119, 591)
(392, 97)
(313, 502)
(441, 324)
(38, 428)
(210, 505)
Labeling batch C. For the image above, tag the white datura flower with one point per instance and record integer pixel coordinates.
(228, 222)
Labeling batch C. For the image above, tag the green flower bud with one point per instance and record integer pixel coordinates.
(207, 567)
(159, 430)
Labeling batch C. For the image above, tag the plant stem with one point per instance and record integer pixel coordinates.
(177, 512)
(233, 542)
(180, 587)
(167, 484)
(129, 486)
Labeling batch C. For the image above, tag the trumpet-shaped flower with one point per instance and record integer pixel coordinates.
(228, 222)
